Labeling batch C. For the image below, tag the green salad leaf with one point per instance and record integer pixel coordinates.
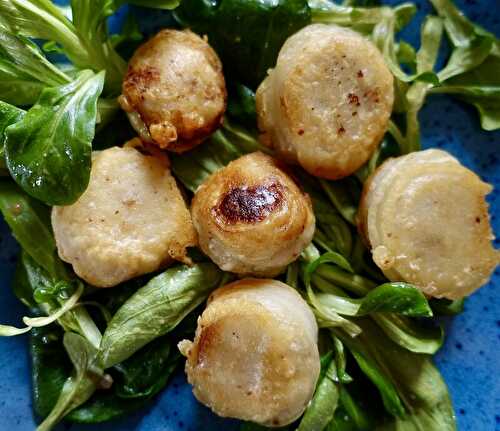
(81, 385)
(156, 4)
(48, 152)
(50, 367)
(410, 334)
(247, 34)
(374, 370)
(8, 115)
(135, 382)
(418, 384)
(447, 307)
(225, 145)
(84, 40)
(24, 70)
(471, 72)
(29, 223)
(164, 301)
(322, 407)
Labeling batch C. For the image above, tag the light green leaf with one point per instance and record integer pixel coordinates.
(156, 309)
(155, 4)
(38, 322)
(460, 30)
(400, 298)
(409, 334)
(432, 33)
(89, 19)
(24, 70)
(12, 331)
(467, 58)
(84, 41)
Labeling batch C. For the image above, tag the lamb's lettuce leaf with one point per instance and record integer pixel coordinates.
(471, 73)
(248, 34)
(24, 70)
(48, 152)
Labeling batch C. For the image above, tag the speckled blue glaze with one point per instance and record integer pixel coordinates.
(469, 360)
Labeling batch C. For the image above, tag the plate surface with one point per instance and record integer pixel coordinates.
(469, 359)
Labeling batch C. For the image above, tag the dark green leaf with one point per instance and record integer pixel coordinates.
(8, 115)
(104, 406)
(80, 386)
(365, 355)
(136, 381)
(446, 307)
(29, 223)
(340, 362)
(358, 415)
(241, 105)
(195, 166)
(246, 34)
(48, 152)
(146, 373)
(338, 193)
(472, 71)
(50, 367)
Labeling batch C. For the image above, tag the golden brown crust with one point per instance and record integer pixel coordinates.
(175, 84)
(251, 217)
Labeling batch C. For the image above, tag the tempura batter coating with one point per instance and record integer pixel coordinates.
(426, 219)
(326, 105)
(254, 356)
(174, 90)
(131, 220)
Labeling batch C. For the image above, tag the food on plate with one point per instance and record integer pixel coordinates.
(174, 91)
(131, 220)
(340, 345)
(251, 217)
(426, 219)
(326, 105)
(254, 355)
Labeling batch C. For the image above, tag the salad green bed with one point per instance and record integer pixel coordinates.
(98, 354)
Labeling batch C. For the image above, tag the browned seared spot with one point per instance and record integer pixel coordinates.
(208, 338)
(141, 77)
(360, 74)
(250, 204)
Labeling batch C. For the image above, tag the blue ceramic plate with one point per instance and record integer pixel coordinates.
(469, 360)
